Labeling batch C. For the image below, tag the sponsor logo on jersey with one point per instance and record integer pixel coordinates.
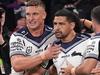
(76, 53)
(38, 51)
(68, 55)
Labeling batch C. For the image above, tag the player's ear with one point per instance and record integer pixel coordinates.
(44, 15)
(73, 25)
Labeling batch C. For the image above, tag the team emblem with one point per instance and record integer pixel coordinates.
(29, 49)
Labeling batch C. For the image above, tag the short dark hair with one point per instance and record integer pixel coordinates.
(71, 17)
(35, 3)
(95, 14)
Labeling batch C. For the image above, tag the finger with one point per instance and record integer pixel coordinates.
(57, 52)
(57, 44)
(96, 70)
(61, 72)
(53, 47)
(55, 56)
(62, 68)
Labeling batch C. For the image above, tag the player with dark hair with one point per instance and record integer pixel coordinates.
(74, 56)
(95, 16)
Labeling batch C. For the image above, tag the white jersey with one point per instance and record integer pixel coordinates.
(94, 45)
(74, 52)
(23, 43)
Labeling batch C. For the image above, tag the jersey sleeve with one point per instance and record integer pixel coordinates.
(92, 50)
(16, 45)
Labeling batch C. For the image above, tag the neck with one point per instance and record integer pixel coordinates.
(37, 32)
(97, 28)
(70, 37)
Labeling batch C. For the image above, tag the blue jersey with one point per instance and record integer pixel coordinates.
(74, 52)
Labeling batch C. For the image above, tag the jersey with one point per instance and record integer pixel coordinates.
(74, 52)
(94, 45)
(23, 43)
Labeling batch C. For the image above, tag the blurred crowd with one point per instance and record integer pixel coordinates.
(82, 7)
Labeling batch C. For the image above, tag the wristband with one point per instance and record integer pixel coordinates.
(73, 71)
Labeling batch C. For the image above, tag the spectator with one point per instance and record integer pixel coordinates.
(4, 46)
(85, 7)
(20, 20)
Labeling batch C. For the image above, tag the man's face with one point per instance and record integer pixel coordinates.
(2, 19)
(21, 23)
(95, 25)
(62, 27)
(35, 16)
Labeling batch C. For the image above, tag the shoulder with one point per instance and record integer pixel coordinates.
(95, 37)
(20, 32)
(47, 28)
(85, 35)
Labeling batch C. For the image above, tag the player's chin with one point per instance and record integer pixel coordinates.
(34, 25)
(58, 36)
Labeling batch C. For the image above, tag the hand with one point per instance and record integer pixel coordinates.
(66, 70)
(51, 52)
(95, 71)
